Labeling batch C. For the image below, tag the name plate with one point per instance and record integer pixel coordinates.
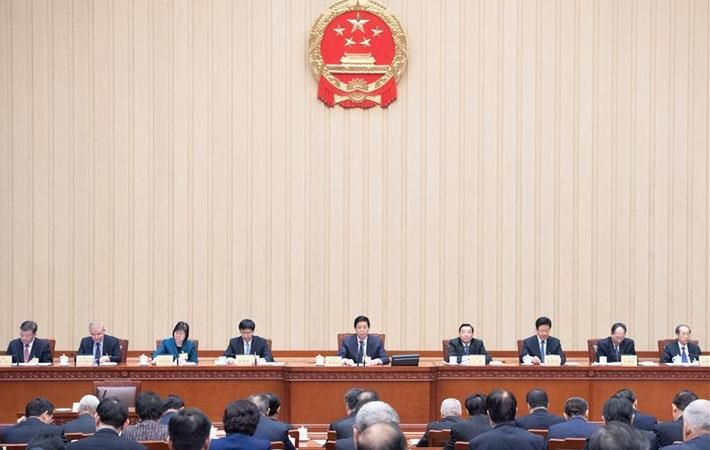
(164, 360)
(333, 361)
(244, 360)
(5, 360)
(553, 360)
(475, 360)
(704, 360)
(84, 360)
(629, 360)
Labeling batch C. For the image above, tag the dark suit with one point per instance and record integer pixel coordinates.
(24, 431)
(605, 347)
(345, 444)
(644, 421)
(375, 348)
(673, 349)
(669, 432)
(444, 424)
(468, 429)
(575, 427)
(40, 350)
(105, 439)
(539, 419)
(85, 423)
(238, 441)
(651, 438)
(552, 347)
(344, 427)
(699, 443)
(476, 347)
(111, 347)
(165, 418)
(273, 431)
(258, 347)
(506, 436)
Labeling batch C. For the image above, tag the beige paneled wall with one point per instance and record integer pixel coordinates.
(165, 160)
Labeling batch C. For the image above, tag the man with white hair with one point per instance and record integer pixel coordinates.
(367, 415)
(105, 348)
(86, 421)
(450, 414)
(696, 427)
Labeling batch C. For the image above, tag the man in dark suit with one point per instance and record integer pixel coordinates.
(86, 422)
(641, 421)
(619, 409)
(539, 417)
(28, 346)
(477, 422)
(696, 427)
(669, 432)
(369, 414)
(171, 405)
(450, 415)
(38, 417)
(576, 426)
(105, 348)
(382, 436)
(681, 350)
(189, 430)
(248, 343)
(541, 344)
(240, 419)
(269, 429)
(356, 348)
(501, 406)
(112, 418)
(615, 345)
(344, 427)
(466, 344)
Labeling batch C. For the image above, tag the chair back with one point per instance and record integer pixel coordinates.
(125, 390)
(592, 345)
(566, 444)
(329, 445)
(277, 445)
(294, 434)
(539, 432)
(445, 349)
(520, 346)
(155, 445)
(52, 343)
(438, 438)
(461, 445)
(14, 446)
(332, 435)
(75, 436)
(123, 346)
(342, 336)
(663, 342)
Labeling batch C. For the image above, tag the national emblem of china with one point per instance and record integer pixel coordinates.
(358, 51)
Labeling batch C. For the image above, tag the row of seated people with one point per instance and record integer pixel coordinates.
(361, 347)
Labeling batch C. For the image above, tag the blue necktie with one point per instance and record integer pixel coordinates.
(97, 352)
(465, 349)
(683, 355)
(542, 351)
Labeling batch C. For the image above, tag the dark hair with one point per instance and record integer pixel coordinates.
(501, 406)
(173, 401)
(182, 326)
(677, 329)
(359, 319)
(351, 398)
(537, 398)
(466, 325)
(274, 403)
(617, 436)
(28, 325)
(684, 398)
(475, 404)
(576, 406)
(627, 394)
(37, 406)
(366, 397)
(618, 409)
(189, 429)
(382, 435)
(112, 412)
(149, 406)
(241, 416)
(46, 442)
(543, 321)
(247, 324)
(617, 325)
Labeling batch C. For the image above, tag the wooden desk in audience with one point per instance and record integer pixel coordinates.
(314, 395)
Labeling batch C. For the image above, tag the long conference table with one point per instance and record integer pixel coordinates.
(313, 395)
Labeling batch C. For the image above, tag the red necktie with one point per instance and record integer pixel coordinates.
(27, 353)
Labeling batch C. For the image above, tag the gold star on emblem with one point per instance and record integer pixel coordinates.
(358, 23)
(376, 32)
(349, 42)
(365, 42)
(339, 30)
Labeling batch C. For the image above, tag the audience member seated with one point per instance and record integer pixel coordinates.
(240, 420)
(105, 348)
(86, 421)
(171, 405)
(619, 409)
(539, 417)
(577, 425)
(641, 421)
(541, 344)
(267, 428)
(615, 345)
(696, 427)
(362, 344)
(28, 346)
(112, 417)
(681, 350)
(382, 436)
(477, 422)
(149, 407)
(46, 442)
(450, 415)
(178, 344)
(369, 414)
(669, 432)
(617, 436)
(466, 345)
(274, 408)
(189, 429)
(501, 406)
(344, 427)
(38, 419)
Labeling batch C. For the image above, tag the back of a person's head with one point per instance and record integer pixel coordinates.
(684, 398)
(451, 407)
(627, 394)
(501, 406)
(366, 397)
(576, 406)
(46, 442)
(88, 403)
(240, 416)
(618, 436)
(38, 406)
(476, 404)
(274, 403)
(261, 402)
(618, 409)
(382, 436)
(189, 429)
(697, 416)
(149, 406)
(351, 397)
(537, 398)
(112, 412)
(375, 412)
(173, 401)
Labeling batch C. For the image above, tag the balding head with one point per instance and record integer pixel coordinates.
(381, 436)
(88, 404)
(696, 419)
(450, 407)
(375, 412)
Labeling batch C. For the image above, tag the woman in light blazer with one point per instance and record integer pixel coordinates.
(179, 343)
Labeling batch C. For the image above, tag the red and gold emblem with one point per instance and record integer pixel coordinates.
(358, 51)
